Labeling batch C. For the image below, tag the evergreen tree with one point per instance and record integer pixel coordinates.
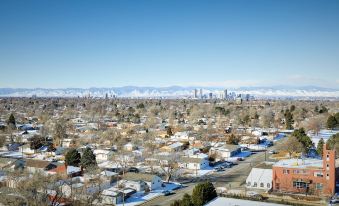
(333, 143)
(11, 121)
(316, 109)
(331, 122)
(320, 147)
(288, 119)
(292, 108)
(336, 116)
(176, 203)
(203, 193)
(186, 200)
(88, 159)
(72, 158)
(302, 137)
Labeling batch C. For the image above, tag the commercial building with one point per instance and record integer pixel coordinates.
(308, 176)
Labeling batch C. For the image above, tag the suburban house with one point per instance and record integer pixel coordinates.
(33, 165)
(66, 143)
(175, 147)
(311, 176)
(193, 163)
(225, 151)
(26, 149)
(103, 155)
(113, 195)
(140, 180)
(260, 177)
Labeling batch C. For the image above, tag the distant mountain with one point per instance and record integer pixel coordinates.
(172, 92)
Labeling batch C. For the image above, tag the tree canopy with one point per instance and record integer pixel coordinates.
(88, 159)
(73, 157)
(302, 137)
(203, 193)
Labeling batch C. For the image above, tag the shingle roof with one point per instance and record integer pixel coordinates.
(138, 176)
(36, 163)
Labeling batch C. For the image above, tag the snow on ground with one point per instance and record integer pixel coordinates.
(140, 197)
(325, 134)
(279, 136)
(202, 172)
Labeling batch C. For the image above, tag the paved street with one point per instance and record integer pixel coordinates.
(230, 178)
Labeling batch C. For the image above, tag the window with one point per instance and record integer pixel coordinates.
(318, 186)
(300, 184)
(296, 171)
(255, 184)
(286, 171)
(261, 184)
(248, 183)
(318, 174)
(268, 185)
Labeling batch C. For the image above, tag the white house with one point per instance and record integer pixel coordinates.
(182, 136)
(114, 196)
(129, 147)
(225, 151)
(111, 196)
(103, 155)
(26, 149)
(260, 177)
(153, 182)
(193, 163)
(66, 142)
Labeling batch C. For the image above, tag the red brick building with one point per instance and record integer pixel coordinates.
(308, 176)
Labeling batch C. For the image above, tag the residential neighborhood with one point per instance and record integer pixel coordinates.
(154, 150)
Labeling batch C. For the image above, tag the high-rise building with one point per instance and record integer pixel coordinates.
(201, 94)
(225, 94)
(195, 93)
(210, 95)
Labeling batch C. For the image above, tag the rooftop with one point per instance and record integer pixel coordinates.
(138, 176)
(300, 163)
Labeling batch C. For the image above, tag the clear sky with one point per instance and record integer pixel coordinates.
(68, 43)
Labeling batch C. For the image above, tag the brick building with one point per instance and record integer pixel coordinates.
(308, 176)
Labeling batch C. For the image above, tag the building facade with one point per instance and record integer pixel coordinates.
(307, 176)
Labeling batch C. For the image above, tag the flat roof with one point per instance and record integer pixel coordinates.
(300, 163)
(223, 201)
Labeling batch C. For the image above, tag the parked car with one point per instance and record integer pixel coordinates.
(272, 152)
(133, 169)
(167, 192)
(219, 169)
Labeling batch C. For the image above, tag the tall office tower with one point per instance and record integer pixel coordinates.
(200, 93)
(195, 93)
(210, 95)
(225, 94)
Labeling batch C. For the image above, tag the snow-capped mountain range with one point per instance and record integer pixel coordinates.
(173, 92)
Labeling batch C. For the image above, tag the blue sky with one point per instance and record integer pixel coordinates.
(68, 43)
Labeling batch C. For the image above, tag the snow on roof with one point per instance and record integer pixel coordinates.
(175, 145)
(223, 201)
(299, 163)
(101, 151)
(108, 173)
(72, 169)
(260, 175)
